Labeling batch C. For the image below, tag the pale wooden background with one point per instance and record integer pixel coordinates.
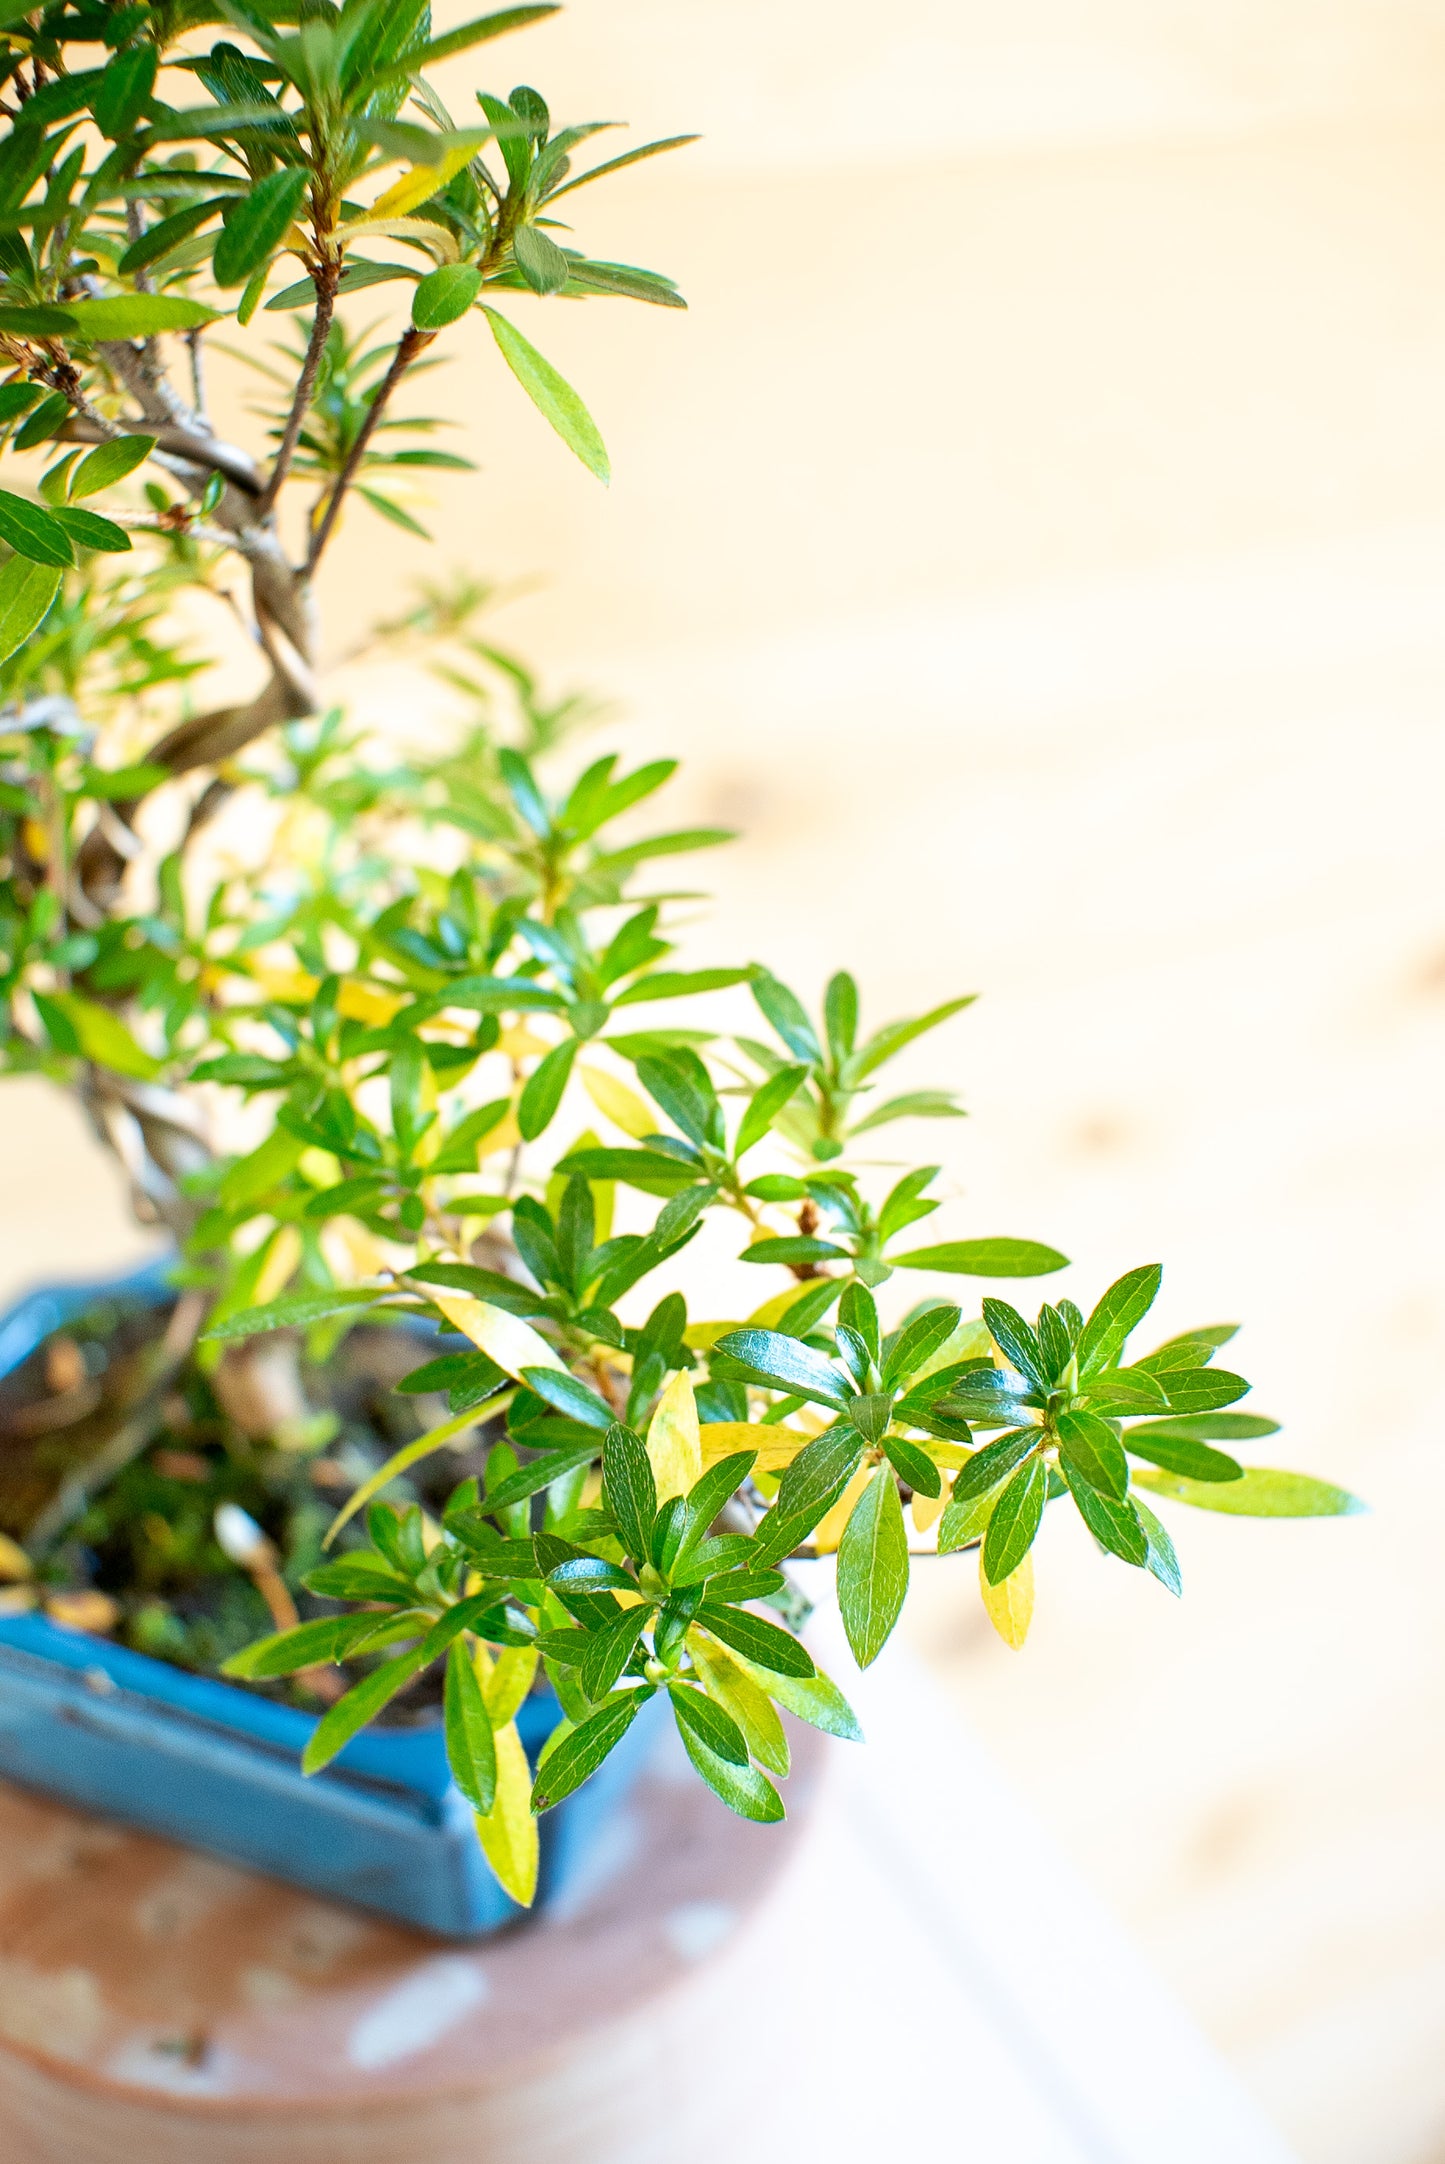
(1035, 538)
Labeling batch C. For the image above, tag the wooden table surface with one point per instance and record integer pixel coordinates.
(906, 1968)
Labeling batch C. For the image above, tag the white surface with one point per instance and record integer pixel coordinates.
(963, 1993)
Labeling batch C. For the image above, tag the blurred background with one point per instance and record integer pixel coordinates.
(1033, 540)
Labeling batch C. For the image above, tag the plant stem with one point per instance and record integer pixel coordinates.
(411, 343)
(325, 277)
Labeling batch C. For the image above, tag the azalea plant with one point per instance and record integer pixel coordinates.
(389, 1042)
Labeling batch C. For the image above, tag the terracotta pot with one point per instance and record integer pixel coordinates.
(159, 2007)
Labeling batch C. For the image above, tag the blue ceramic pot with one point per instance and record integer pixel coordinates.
(208, 1763)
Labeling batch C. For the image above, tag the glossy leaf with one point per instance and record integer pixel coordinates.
(873, 1568)
(551, 394)
(985, 1258)
(582, 1752)
(1015, 1520)
(1009, 1605)
(471, 1751)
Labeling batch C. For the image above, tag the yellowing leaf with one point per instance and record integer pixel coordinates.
(438, 242)
(505, 1338)
(1010, 1606)
(519, 1042)
(357, 1002)
(279, 1267)
(616, 1102)
(775, 1446)
(508, 1832)
(506, 1680)
(14, 1562)
(927, 1509)
(673, 1445)
(421, 183)
(401, 1461)
(829, 1530)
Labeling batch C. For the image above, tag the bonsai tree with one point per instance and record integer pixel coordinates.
(389, 1043)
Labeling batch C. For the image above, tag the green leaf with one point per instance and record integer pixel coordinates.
(985, 1258)
(1201, 1390)
(307, 1645)
(765, 1105)
(743, 1789)
(551, 394)
(1160, 1561)
(1260, 1492)
(1182, 1455)
(873, 1567)
(815, 1699)
(27, 590)
(46, 422)
(88, 530)
(1089, 1448)
(615, 165)
(697, 1715)
(444, 295)
(611, 1648)
(629, 1488)
(361, 1704)
(965, 1520)
(33, 533)
(256, 224)
(569, 1396)
(799, 1247)
(542, 1091)
(539, 259)
(471, 1749)
(581, 1753)
(1016, 1518)
(1109, 1518)
(785, 1364)
(918, 1342)
(987, 1467)
(1016, 1341)
(1121, 1309)
(96, 1034)
(1210, 1428)
(138, 315)
(357, 275)
(124, 90)
(296, 1311)
(651, 1170)
(761, 1642)
(41, 322)
(730, 1685)
(886, 1043)
(479, 32)
(109, 463)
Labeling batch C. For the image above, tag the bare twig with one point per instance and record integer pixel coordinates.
(411, 343)
(325, 278)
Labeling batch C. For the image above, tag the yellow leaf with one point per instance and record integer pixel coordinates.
(776, 1446)
(829, 1531)
(508, 1832)
(436, 239)
(519, 1042)
(618, 1103)
(673, 1443)
(357, 1002)
(928, 1508)
(367, 1003)
(277, 1270)
(14, 1562)
(505, 1338)
(506, 1680)
(421, 183)
(1010, 1606)
(737, 1693)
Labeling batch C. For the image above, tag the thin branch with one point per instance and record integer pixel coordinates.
(325, 277)
(411, 343)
